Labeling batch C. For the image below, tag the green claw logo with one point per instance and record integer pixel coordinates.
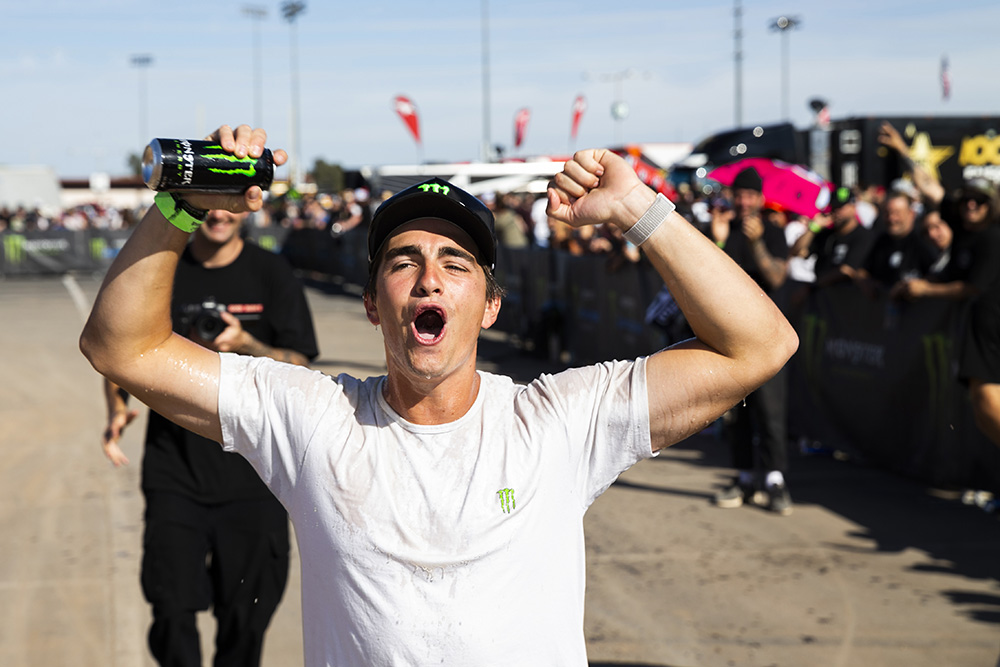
(249, 170)
(98, 248)
(938, 353)
(439, 189)
(507, 504)
(13, 248)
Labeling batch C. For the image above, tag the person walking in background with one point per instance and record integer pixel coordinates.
(757, 428)
(215, 536)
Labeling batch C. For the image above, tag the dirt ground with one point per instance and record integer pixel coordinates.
(870, 569)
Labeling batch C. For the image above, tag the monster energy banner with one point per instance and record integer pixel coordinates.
(60, 251)
(878, 377)
(43, 252)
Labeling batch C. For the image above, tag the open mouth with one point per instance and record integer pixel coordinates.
(428, 323)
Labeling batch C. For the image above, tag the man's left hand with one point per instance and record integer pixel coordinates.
(597, 186)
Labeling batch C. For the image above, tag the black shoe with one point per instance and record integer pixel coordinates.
(779, 500)
(734, 496)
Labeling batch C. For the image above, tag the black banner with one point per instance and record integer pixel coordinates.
(58, 251)
(878, 377)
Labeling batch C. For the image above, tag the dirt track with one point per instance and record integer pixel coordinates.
(871, 569)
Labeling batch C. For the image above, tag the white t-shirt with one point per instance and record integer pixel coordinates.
(453, 544)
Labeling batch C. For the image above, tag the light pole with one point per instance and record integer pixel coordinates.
(290, 10)
(486, 150)
(619, 107)
(738, 63)
(784, 24)
(142, 61)
(256, 14)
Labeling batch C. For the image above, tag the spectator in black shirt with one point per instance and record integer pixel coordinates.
(899, 253)
(839, 241)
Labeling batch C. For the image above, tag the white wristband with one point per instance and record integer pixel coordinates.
(654, 216)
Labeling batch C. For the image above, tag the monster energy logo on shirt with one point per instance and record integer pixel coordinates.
(506, 500)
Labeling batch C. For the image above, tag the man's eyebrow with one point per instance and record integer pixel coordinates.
(446, 251)
(452, 251)
(402, 250)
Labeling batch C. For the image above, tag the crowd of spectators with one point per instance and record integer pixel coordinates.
(89, 216)
(907, 241)
(897, 239)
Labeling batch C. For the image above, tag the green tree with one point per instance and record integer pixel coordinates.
(328, 177)
(134, 161)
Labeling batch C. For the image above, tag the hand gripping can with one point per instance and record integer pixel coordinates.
(177, 165)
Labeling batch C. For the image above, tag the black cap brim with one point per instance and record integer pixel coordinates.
(457, 207)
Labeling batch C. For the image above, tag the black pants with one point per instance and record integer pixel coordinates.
(232, 557)
(758, 428)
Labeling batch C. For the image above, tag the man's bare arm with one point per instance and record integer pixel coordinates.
(119, 416)
(928, 186)
(128, 337)
(742, 339)
(774, 269)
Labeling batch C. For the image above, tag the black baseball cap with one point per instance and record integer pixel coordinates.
(840, 196)
(435, 198)
(748, 179)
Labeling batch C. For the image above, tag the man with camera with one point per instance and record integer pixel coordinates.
(214, 534)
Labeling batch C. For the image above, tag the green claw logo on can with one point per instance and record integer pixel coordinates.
(173, 165)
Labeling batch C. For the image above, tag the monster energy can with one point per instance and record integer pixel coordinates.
(190, 165)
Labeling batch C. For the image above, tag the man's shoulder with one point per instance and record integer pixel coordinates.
(265, 263)
(280, 371)
(860, 234)
(578, 379)
(253, 252)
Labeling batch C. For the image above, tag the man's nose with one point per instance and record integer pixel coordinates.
(429, 281)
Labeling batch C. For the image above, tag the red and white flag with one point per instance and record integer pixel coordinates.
(521, 126)
(945, 79)
(407, 110)
(579, 106)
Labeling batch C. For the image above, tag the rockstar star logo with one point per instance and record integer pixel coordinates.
(926, 154)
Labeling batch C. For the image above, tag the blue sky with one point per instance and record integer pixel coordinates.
(71, 98)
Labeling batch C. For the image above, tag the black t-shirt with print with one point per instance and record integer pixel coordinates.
(739, 249)
(260, 289)
(833, 250)
(894, 259)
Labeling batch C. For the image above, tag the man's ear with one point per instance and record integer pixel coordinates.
(370, 310)
(491, 312)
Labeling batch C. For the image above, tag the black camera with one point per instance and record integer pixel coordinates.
(204, 318)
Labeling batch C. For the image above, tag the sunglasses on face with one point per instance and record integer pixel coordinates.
(978, 201)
